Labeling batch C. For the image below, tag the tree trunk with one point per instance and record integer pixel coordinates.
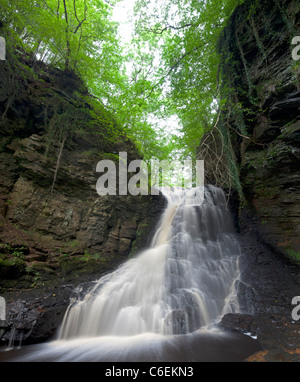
(68, 52)
(58, 162)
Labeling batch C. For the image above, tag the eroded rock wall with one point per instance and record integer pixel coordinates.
(56, 232)
(70, 232)
(261, 80)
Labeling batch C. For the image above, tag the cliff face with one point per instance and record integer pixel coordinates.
(258, 140)
(71, 233)
(55, 230)
(262, 84)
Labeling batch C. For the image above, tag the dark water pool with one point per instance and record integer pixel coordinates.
(196, 347)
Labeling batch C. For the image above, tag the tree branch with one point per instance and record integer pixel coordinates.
(67, 61)
(51, 10)
(57, 11)
(83, 20)
(168, 26)
(58, 162)
(175, 66)
(184, 56)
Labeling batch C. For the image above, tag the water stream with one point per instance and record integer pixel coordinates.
(166, 300)
(183, 282)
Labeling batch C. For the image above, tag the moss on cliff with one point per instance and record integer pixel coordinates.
(52, 135)
(261, 116)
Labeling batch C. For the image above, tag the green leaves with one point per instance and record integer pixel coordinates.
(185, 34)
(77, 35)
(170, 68)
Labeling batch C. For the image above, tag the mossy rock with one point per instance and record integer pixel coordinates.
(69, 265)
(73, 268)
(12, 269)
(39, 267)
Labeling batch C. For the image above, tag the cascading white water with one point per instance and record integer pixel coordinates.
(185, 281)
(162, 305)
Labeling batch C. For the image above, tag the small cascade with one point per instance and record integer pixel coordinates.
(12, 337)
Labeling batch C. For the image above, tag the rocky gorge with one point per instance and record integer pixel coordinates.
(56, 233)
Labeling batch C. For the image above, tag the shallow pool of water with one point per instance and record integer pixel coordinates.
(200, 346)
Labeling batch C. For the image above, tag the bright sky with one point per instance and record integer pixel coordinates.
(121, 14)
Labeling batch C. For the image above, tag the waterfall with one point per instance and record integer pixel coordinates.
(184, 282)
(163, 304)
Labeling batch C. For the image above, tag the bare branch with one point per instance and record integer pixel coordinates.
(212, 152)
(58, 162)
(168, 26)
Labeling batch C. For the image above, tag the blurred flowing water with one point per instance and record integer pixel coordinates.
(163, 304)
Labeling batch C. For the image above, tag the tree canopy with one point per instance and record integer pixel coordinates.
(168, 71)
(186, 33)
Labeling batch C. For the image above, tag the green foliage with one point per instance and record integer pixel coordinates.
(170, 68)
(12, 263)
(79, 36)
(70, 34)
(185, 34)
(294, 255)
